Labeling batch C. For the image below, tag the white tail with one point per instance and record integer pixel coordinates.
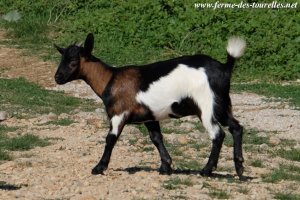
(236, 47)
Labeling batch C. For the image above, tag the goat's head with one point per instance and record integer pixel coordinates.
(69, 67)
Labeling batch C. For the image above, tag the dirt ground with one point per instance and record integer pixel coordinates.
(62, 170)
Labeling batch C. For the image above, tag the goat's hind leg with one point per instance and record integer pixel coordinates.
(236, 131)
(217, 135)
(157, 139)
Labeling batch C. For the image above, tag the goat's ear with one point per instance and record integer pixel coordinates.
(59, 49)
(89, 44)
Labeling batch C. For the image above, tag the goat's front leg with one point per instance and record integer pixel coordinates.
(157, 139)
(116, 127)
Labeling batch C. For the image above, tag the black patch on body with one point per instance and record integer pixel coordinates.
(153, 72)
(184, 107)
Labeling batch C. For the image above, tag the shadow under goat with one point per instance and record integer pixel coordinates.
(188, 85)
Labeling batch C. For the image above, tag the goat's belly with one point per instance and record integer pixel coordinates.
(176, 109)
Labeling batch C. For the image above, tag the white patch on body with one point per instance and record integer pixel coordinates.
(182, 82)
(116, 121)
(236, 47)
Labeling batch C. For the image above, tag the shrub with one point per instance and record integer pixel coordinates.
(145, 31)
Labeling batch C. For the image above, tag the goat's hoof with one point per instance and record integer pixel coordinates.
(206, 172)
(165, 170)
(99, 169)
(239, 169)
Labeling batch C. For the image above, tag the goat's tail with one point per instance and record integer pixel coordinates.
(235, 49)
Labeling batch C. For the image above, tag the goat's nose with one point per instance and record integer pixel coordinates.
(56, 76)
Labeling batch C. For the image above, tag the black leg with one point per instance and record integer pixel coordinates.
(157, 139)
(237, 133)
(116, 127)
(214, 155)
(111, 140)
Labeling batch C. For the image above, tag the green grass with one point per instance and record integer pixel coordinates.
(173, 149)
(148, 149)
(219, 194)
(293, 154)
(25, 142)
(250, 137)
(132, 141)
(4, 155)
(6, 129)
(257, 163)
(288, 93)
(18, 97)
(188, 164)
(243, 190)
(284, 172)
(18, 143)
(287, 196)
(177, 182)
(143, 129)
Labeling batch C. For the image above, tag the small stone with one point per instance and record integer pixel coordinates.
(263, 147)
(262, 134)
(92, 121)
(182, 139)
(133, 192)
(3, 115)
(52, 116)
(47, 118)
(198, 186)
(187, 126)
(171, 138)
(274, 140)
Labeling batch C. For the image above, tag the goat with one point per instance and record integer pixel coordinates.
(188, 85)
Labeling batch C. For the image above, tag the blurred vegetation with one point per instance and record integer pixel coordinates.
(138, 32)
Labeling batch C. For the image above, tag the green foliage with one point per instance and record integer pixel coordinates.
(21, 96)
(143, 129)
(20, 143)
(139, 32)
(4, 155)
(148, 149)
(287, 196)
(292, 154)
(219, 194)
(24, 142)
(257, 163)
(250, 137)
(5, 129)
(187, 164)
(176, 182)
(284, 172)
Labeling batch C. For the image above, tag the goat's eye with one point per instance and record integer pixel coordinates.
(73, 64)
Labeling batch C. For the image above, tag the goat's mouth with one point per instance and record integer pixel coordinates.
(60, 80)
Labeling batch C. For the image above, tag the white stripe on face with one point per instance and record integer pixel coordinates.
(116, 121)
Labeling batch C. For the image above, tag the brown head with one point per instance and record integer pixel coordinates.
(69, 67)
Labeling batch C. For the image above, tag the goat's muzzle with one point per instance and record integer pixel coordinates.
(59, 79)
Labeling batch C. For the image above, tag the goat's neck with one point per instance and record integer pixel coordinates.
(96, 74)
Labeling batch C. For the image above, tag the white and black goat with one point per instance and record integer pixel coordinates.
(189, 85)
